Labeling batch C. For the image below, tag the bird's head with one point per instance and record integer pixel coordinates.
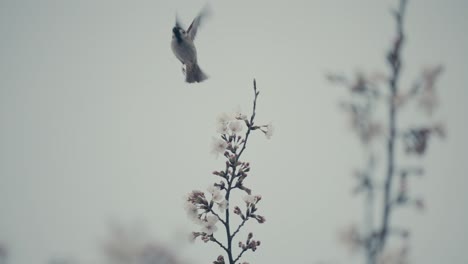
(178, 32)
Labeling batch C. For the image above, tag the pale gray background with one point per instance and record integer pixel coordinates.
(97, 123)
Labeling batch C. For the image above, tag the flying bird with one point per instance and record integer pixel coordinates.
(184, 48)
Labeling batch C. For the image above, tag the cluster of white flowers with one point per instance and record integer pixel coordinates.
(198, 208)
(239, 115)
(218, 198)
(218, 146)
(235, 126)
(229, 123)
(215, 192)
(205, 208)
(209, 225)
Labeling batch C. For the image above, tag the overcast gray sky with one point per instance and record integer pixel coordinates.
(98, 124)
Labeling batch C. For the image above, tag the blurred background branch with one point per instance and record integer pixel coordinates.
(366, 98)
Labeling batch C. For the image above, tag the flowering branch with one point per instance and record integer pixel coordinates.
(415, 140)
(249, 244)
(231, 144)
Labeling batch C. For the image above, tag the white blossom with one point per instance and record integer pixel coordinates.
(221, 128)
(235, 127)
(239, 115)
(211, 220)
(212, 188)
(215, 193)
(217, 196)
(225, 118)
(222, 123)
(249, 199)
(192, 211)
(218, 146)
(222, 206)
(209, 229)
(269, 130)
(209, 226)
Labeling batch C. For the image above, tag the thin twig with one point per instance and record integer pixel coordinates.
(250, 126)
(219, 243)
(239, 227)
(219, 218)
(240, 254)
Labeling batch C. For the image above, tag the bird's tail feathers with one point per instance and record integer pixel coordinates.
(193, 73)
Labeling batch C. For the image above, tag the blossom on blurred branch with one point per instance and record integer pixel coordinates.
(351, 238)
(416, 139)
(428, 99)
(212, 210)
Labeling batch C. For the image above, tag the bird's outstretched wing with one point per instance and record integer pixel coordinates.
(193, 28)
